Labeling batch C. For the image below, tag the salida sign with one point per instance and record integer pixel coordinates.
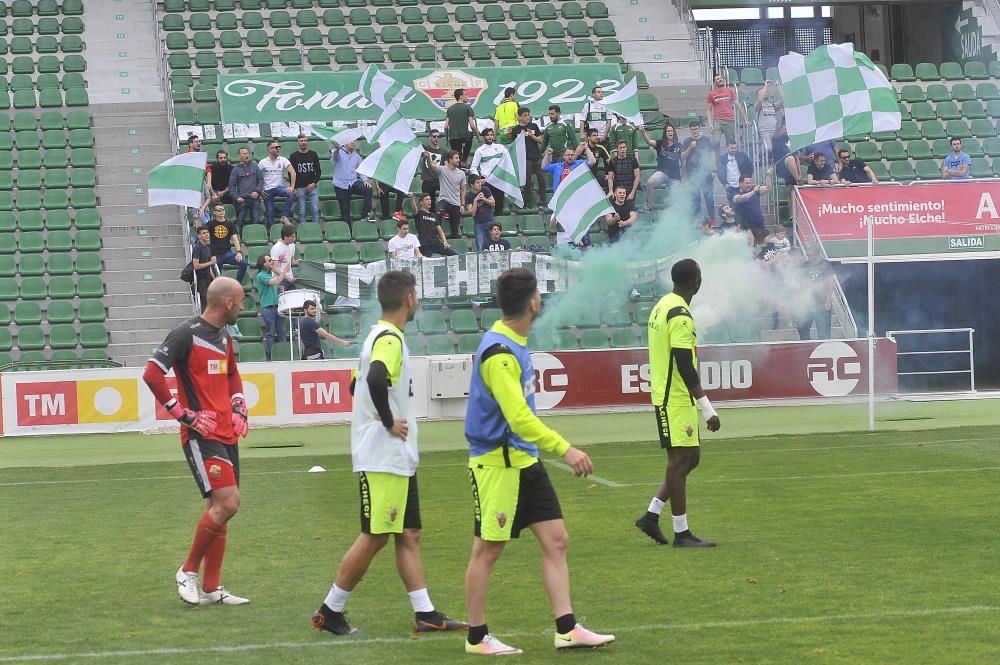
(578, 379)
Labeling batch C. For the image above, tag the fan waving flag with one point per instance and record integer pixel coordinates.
(381, 90)
(337, 135)
(625, 102)
(392, 127)
(578, 201)
(394, 164)
(508, 176)
(178, 181)
(835, 92)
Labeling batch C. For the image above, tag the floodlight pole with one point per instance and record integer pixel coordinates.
(871, 326)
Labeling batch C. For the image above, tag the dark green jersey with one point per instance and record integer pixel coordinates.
(558, 136)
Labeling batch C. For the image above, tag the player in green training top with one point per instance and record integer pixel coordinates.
(677, 396)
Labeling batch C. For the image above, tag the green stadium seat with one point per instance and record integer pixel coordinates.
(913, 93)
(431, 322)
(925, 71)
(31, 265)
(973, 109)
(71, 44)
(55, 199)
(932, 129)
(439, 345)
(928, 169)
(62, 288)
(32, 288)
(280, 19)
(27, 200)
(604, 28)
(93, 336)
(30, 220)
(958, 128)
(948, 111)
(901, 171)
(344, 254)
(983, 128)
(987, 92)
(464, 321)
(365, 35)
(584, 47)
(469, 343)
(921, 111)
(90, 286)
(74, 97)
(60, 311)
(85, 219)
(62, 336)
(903, 73)
(29, 180)
(952, 71)
(251, 352)
(27, 313)
(6, 344)
(914, 150)
(594, 339)
(30, 338)
(981, 168)
(4, 314)
(59, 264)
(88, 263)
(342, 325)
(961, 92)
(226, 21)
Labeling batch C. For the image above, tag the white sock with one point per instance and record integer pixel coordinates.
(656, 506)
(421, 600)
(680, 523)
(337, 598)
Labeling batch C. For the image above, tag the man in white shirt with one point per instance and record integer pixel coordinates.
(283, 256)
(484, 160)
(273, 168)
(596, 115)
(403, 245)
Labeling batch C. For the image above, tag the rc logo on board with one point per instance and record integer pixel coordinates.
(833, 369)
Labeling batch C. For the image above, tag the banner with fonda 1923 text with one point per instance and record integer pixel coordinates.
(946, 219)
(333, 96)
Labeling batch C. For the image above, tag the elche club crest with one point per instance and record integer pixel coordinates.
(689, 431)
(502, 519)
(440, 85)
(392, 513)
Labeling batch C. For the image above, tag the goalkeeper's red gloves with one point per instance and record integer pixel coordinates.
(240, 425)
(203, 422)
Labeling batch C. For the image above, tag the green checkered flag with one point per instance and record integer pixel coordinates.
(835, 92)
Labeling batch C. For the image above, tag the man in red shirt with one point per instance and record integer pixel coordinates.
(213, 415)
(721, 100)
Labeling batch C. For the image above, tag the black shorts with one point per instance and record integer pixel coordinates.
(312, 354)
(214, 464)
(494, 490)
(383, 497)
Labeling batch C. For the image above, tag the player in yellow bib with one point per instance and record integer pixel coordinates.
(677, 397)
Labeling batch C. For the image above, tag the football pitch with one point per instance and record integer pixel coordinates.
(835, 546)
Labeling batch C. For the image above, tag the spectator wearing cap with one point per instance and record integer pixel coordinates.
(479, 203)
(956, 165)
(532, 155)
(496, 243)
(460, 125)
(505, 117)
(698, 159)
(854, 171)
(722, 100)
(731, 167)
(429, 231)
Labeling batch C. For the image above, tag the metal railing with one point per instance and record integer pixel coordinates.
(969, 351)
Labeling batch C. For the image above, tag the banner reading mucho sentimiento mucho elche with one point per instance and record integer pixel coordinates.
(930, 218)
(334, 96)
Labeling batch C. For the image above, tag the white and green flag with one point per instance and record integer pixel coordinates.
(381, 90)
(508, 176)
(625, 102)
(178, 181)
(337, 135)
(392, 127)
(394, 164)
(578, 202)
(835, 92)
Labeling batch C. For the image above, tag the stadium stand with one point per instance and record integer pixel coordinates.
(49, 239)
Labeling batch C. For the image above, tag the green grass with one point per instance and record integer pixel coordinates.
(833, 547)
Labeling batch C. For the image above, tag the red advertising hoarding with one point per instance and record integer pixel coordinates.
(837, 368)
(929, 218)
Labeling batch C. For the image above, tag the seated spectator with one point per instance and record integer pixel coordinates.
(956, 165)
(273, 168)
(267, 282)
(820, 172)
(484, 160)
(283, 255)
(767, 105)
(854, 171)
(224, 238)
(429, 231)
(246, 187)
(310, 331)
(383, 191)
(625, 131)
(403, 245)
(602, 158)
(624, 171)
(496, 243)
(722, 100)
(348, 182)
(221, 170)
(479, 203)
(452, 186)
(747, 206)
(623, 216)
(668, 161)
(732, 165)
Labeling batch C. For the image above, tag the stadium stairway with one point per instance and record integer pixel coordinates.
(145, 247)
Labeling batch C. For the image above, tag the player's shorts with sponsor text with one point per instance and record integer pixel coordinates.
(389, 502)
(508, 499)
(677, 425)
(214, 464)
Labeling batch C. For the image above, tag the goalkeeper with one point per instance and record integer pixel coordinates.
(677, 397)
